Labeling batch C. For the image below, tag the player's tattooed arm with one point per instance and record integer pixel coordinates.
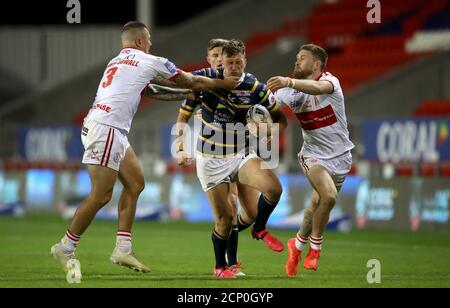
(168, 94)
(164, 82)
(199, 83)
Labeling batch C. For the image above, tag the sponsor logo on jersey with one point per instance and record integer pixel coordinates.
(241, 93)
(317, 119)
(170, 67)
(105, 108)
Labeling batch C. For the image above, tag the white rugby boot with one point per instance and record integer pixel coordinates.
(128, 260)
(69, 264)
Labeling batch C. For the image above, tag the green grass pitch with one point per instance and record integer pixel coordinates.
(180, 256)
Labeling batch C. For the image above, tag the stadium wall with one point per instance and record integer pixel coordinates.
(396, 204)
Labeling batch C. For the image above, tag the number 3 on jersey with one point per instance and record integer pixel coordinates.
(109, 76)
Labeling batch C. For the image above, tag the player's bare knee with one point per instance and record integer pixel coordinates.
(274, 193)
(140, 186)
(329, 199)
(101, 199)
(135, 188)
(314, 204)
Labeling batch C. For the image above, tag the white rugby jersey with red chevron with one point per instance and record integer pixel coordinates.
(123, 82)
(322, 118)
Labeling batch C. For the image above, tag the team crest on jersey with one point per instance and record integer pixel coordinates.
(170, 67)
(312, 102)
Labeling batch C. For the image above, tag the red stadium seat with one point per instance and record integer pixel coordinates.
(435, 108)
(172, 168)
(404, 171)
(444, 169)
(428, 170)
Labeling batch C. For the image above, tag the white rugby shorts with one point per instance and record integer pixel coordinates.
(214, 171)
(337, 167)
(104, 145)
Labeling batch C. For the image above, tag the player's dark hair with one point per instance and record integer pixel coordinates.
(133, 25)
(233, 47)
(217, 42)
(318, 53)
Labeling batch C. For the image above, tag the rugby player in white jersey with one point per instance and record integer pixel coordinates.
(108, 155)
(316, 98)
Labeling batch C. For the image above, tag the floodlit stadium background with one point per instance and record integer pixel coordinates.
(395, 75)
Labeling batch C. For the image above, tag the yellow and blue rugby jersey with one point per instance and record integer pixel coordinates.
(224, 113)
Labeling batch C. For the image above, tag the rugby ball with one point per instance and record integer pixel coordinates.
(259, 114)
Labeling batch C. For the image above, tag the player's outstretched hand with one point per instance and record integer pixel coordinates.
(276, 83)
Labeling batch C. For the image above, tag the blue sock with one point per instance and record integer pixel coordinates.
(220, 247)
(242, 225)
(265, 208)
(232, 246)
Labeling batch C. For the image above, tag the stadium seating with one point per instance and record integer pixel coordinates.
(428, 170)
(365, 51)
(402, 170)
(350, 15)
(433, 108)
(368, 51)
(444, 170)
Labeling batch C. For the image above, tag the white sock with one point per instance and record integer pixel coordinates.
(316, 242)
(300, 242)
(123, 241)
(69, 242)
